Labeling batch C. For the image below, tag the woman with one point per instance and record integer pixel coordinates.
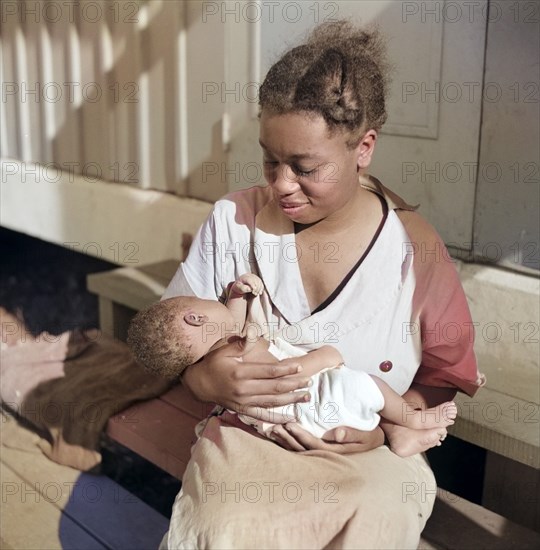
(344, 261)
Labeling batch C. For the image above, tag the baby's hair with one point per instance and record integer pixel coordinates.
(340, 73)
(157, 341)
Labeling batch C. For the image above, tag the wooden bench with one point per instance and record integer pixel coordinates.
(161, 430)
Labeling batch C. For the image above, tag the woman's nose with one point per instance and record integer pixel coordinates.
(284, 180)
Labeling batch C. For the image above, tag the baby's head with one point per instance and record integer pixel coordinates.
(172, 334)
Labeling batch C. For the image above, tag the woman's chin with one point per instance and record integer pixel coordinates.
(302, 216)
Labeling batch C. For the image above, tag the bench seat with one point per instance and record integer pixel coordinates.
(161, 430)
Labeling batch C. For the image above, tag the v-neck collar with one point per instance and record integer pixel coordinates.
(325, 303)
(276, 256)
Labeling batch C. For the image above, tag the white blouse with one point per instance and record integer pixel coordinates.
(391, 319)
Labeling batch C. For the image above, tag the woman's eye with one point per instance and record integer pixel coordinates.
(302, 172)
(298, 170)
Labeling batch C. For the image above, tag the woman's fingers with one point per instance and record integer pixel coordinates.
(254, 405)
(251, 385)
(343, 434)
(234, 384)
(352, 441)
(268, 414)
(286, 439)
(293, 437)
(273, 387)
(267, 371)
(303, 437)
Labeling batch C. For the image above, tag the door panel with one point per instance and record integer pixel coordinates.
(428, 149)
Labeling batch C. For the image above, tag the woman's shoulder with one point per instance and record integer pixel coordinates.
(244, 204)
(432, 261)
(252, 199)
(418, 229)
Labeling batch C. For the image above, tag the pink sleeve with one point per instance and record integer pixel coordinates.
(447, 330)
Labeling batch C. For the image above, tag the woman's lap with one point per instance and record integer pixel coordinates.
(242, 491)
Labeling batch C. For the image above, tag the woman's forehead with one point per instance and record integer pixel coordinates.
(297, 135)
(301, 119)
(298, 152)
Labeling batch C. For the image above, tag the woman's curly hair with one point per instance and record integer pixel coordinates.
(340, 73)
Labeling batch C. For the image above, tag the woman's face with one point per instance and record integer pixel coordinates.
(313, 175)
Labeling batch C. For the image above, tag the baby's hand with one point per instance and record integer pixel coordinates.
(248, 283)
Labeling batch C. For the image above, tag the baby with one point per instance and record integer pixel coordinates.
(175, 333)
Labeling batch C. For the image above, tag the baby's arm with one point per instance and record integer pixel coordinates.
(238, 293)
(316, 360)
(311, 363)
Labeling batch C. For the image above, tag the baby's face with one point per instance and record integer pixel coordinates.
(206, 322)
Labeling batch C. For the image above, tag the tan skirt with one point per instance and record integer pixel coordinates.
(243, 491)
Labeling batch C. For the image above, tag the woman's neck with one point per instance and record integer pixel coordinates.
(359, 209)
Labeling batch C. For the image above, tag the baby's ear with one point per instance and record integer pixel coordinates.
(195, 319)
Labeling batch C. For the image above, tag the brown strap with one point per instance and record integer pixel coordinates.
(394, 201)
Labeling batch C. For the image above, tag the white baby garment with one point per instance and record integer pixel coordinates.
(339, 397)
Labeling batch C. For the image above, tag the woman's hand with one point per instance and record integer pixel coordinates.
(247, 388)
(342, 440)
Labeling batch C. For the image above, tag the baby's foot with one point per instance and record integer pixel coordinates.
(437, 417)
(411, 442)
(449, 411)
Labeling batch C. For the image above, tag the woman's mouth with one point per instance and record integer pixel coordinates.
(292, 208)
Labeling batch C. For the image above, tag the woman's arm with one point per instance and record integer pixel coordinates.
(342, 440)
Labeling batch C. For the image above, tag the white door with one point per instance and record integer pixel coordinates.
(428, 150)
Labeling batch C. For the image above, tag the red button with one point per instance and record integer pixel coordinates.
(385, 366)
